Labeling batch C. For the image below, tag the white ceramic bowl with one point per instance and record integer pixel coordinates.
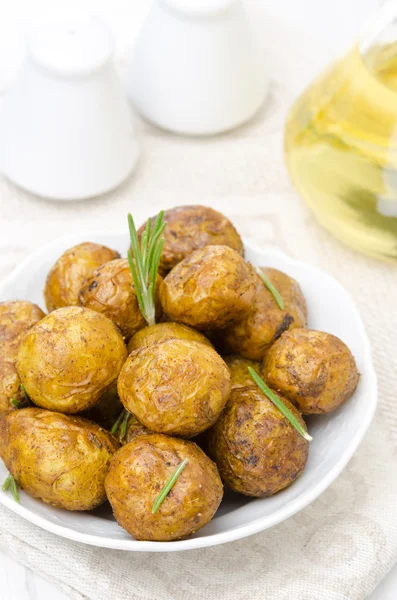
(335, 436)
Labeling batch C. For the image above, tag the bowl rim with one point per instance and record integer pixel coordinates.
(240, 531)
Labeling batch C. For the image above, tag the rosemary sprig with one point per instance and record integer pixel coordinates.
(279, 403)
(10, 482)
(21, 403)
(144, 259)
(168, 486)
(120, 425)
(15, 403)
(275, 293)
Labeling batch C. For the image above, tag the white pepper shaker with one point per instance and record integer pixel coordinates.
(196, 68)
(66, 131)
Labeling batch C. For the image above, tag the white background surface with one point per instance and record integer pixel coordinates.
(333, 23)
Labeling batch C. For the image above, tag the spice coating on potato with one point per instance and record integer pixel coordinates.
(110, 291)
(16, 318)
(190, 228)
(70, 270)
(209, 289)
(176, 387)
(257, 450)
(139, 472)
(60, 459)
(238, 368)
(254, 334)
(314, 370)
(70, 358)
(162, 332)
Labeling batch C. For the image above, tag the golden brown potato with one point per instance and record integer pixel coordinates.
(134, 430)
(255, 333)
(209, 289)
(314, 370)
(110, 290)
(257, 450)
(70, 270)
(70, 358)
(138, 473)
(190, 228)
(60, 459)
(106, 411)
(175, 387)
(165, 331)
(238, 368)
(16, 318)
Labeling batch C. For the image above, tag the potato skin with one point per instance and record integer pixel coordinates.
(165, 331)
(254, 334)
(70, 270)
(138, 473)
(16, 318)
(190, 228)
(110, 291)
(60, 459)
(315, 370)
(209, 289)
(238, 367)
(257, 450)
(70, 358)
(176, 387)
(134, 430)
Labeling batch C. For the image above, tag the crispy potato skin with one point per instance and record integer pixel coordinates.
(176, 387)
(110, 290)
(162, 332)
(70, 270)
(70, 358)
(238, 367)
(60, 459)
(137, 475)
(190, 228)
(257, 450)
(209, 289)
(16, 318)
(314, 370)
(106, 410)
(254, 334)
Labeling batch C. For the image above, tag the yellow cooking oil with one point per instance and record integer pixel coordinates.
(341, 149)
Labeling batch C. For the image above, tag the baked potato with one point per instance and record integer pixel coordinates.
(315, 370)
(16, 318)
(162, 332)
(60, 459)
(238, 368)
(254, 334)
(209, 289)
(257, 450)
(139, 472)
(190, 228)
(106, 411)
(110, 290)
(177, 387)
(70, 270)
(134, 430)
(70, 358)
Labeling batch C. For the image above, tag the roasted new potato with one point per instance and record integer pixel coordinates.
(70, 270)
(70, 358)
(257, 450)
(162, 332)
(138, 473)
(209, 289)
(254, 334)
(106, 411)
(177, 387)
(190, 228)
(110, 290)
(238, 368)
(16, 318)
(60, 459)
(134, 430)
(315, 370)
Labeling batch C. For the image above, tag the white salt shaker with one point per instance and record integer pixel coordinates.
(65, 126)
(196, 68)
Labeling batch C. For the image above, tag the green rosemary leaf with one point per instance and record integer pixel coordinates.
(117, 422)
(124, 425)
(7, 483)
(276, 295)
(14, 403)
(10, 482)
(279, 403)
(168, 486)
